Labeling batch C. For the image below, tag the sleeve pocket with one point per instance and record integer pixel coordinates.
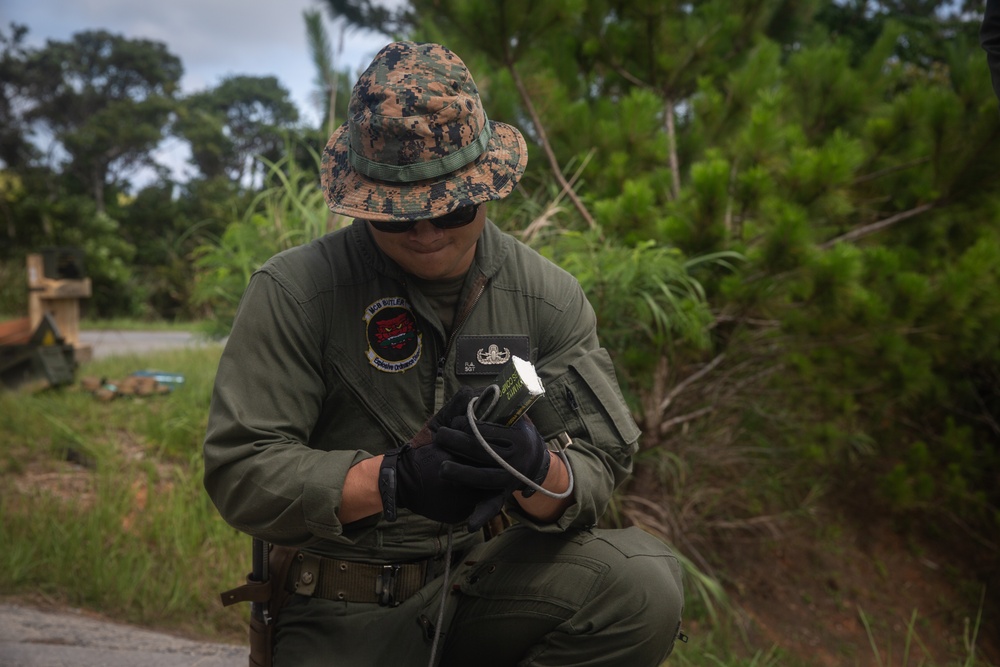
(586, 401)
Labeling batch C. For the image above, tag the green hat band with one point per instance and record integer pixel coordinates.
(419, 171)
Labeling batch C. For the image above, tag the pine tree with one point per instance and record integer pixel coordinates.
(847, 151)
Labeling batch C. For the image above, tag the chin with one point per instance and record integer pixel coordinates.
(430, 275)
(429, 271)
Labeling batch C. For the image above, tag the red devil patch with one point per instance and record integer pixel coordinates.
(394, 342)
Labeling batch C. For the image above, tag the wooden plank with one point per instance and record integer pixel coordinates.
(36, 271)
(66, 313)
(15, 332)
(49, 288)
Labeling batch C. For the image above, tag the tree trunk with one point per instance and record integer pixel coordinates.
(546, 148)
(97, 183)
(675, 169)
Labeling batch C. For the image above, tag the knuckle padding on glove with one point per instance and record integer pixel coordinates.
(447, 476)
(420, 487)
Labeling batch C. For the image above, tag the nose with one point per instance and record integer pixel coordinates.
(425, 230)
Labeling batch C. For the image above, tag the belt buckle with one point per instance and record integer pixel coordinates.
(386, 586)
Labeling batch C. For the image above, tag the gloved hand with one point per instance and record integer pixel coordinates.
(519, 445)
(455, 407)
(410, 478)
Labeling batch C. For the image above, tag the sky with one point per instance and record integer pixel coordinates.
(212, 38)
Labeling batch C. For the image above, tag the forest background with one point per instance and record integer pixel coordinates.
(785, 213)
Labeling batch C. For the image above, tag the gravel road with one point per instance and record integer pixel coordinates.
(108, 342)
(34, 638)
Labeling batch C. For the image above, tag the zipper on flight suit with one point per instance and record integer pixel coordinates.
(477, 292)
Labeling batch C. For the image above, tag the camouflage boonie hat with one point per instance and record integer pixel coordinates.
(418, 143)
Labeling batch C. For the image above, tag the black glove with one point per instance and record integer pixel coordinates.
(519, 445)
(409, 477)
(455, 407)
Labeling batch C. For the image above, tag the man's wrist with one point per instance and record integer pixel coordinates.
(540, 476)
(360, 496)
(542, 507)
(388, 483)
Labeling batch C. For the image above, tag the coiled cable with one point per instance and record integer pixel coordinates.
(470, 413)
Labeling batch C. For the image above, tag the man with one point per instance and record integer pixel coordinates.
(339, 424)
(989, 36)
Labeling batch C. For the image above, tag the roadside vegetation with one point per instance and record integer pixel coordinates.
(131, 324)
(103, 509)
(103, 506)
(788, 224)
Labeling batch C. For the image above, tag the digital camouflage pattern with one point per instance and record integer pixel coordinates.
(418, 143)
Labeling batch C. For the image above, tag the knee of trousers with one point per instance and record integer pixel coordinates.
(644, 581)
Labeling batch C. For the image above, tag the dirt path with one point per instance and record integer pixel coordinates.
(864, 599)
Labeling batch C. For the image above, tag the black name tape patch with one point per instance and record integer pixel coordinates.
(486, 355)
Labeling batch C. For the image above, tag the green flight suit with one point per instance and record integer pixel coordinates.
(334, 358)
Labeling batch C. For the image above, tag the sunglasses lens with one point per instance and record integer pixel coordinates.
(393, 227)
(457, 218)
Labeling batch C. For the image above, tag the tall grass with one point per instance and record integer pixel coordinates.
(103, 505)
(288, 213)
(103, 508)
(914, 646)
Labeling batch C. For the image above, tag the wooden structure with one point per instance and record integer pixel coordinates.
(56, 283)
(34, 358)
(43, 349)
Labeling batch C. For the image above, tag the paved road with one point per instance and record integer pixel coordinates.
(107, 342)
(34, 638)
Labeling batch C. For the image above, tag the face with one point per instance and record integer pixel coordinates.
(430, 253)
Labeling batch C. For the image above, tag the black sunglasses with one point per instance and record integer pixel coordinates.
(460, 217)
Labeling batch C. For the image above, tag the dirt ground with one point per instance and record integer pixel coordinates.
(862, 597)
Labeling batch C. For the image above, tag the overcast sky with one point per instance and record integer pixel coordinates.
(213, 38)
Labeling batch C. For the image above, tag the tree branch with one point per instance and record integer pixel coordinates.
(885, 172)
(867, 230)
(691, 416)
(675, 168)
(689, 380)
(546, 147)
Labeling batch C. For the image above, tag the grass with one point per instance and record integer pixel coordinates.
(912, 641)
(103, 508)
(103, 504)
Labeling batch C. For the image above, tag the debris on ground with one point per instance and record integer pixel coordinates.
(139, 383)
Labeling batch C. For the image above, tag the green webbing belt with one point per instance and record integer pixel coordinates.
(349, 581)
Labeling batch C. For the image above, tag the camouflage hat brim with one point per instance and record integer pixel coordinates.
(418, 143)
(491, 176)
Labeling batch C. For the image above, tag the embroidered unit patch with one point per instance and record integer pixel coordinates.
(486, 355)
(394, 342)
